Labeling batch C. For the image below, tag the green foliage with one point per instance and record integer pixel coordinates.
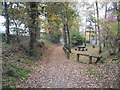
(18, 73)
(76, 38)
(25, 60)
(28, 62)
(22, 73)
(14, 75)
(109, 33)
(11, 73)
(55, 38)
(14, 72)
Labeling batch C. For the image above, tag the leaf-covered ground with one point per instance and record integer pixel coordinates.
(107, 71)
(55, 70)
(17, 64)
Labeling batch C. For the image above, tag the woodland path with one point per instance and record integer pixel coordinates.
(56, 71)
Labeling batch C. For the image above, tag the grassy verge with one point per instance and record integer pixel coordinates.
(92, 51)
(106, 71)
(84, 59)
(16, 70)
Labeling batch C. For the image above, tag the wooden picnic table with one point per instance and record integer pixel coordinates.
(81, 48)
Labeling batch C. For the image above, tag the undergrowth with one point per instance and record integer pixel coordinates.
(17, 63)
(14, 73)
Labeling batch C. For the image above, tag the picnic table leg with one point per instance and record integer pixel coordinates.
(78, 57)
(97, 60)
(82, 49)
(90, 59)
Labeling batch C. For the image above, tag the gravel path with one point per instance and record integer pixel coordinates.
(56, 71)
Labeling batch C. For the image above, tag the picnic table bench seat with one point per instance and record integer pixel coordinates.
(90, 57)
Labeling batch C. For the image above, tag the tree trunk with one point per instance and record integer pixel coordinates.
(95, 33)
(32, 28)
(64, 35)
(85, 37)
(100, 51)
(105, 19)
(85, 31)
(7, 23)
(37, 24)
(95, 28)
(89, 36)
(118, 34)
(68, 33)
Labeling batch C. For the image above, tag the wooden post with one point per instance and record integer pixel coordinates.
(90, 59)
(68, 55)
(65, 52)
(78, 57)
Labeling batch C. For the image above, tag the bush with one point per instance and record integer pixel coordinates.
(76, 38)
(55, 38)
(12, 37)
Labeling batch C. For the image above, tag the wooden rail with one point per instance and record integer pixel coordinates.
(90, 57)
(67, 52)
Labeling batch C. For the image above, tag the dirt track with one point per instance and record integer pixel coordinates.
(56, 71)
